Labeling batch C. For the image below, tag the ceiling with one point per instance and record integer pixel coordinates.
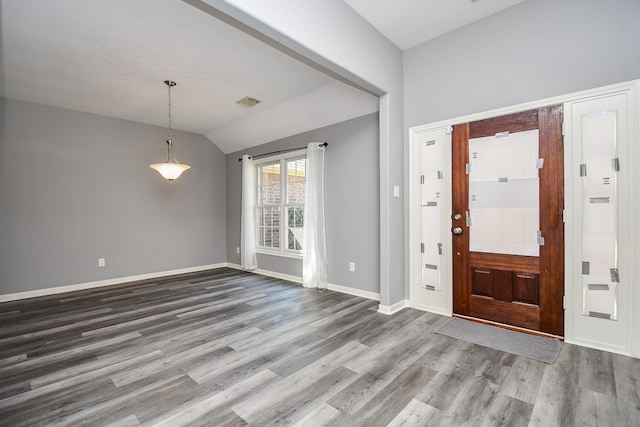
(408, 23)
(111, 58)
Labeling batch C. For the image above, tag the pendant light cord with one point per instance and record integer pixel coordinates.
(170, 157)
(169, 91)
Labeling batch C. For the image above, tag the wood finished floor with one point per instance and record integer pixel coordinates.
(226, 347)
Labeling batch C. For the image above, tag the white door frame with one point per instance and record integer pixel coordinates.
(445, 307)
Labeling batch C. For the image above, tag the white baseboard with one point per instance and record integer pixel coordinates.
(435, 310)
(288, 277)
(234, 265)
(356, 292)
(108, 282)
(598, 346)
(391, 309)
(295, 279)
(120, 280)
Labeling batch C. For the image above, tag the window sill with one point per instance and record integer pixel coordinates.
(279, 254)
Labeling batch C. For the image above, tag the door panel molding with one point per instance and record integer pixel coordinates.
(521, 315)
(501, 287)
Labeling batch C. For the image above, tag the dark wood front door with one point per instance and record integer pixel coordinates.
(501, 272)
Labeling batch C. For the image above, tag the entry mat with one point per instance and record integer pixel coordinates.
(531, 346)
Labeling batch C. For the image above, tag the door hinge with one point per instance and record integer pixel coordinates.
(467, 168)
(439, 248)
(449, 129)
(563, 128)
(564, 302)
(615, 275)
(540, 238)
(421, 248)
(564, 215)
(421, 179)
(615, 164)
(539, 163)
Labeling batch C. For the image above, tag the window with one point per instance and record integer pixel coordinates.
(280, 208)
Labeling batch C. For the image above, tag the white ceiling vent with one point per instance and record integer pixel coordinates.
(248, 102)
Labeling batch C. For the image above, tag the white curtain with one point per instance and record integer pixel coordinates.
(314, 260)
(248, 256)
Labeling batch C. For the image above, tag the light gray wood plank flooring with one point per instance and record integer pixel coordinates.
(226, 347)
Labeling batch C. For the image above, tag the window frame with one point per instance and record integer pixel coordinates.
(283, 158)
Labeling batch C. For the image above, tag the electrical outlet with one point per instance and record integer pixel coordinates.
(101, 262)
(238, 249)
(352, 266)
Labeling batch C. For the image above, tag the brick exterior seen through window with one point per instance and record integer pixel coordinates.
(273, 209)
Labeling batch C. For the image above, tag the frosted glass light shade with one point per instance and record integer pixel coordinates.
(170, 171)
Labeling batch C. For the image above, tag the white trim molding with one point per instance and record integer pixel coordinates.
(598, 345)
(355, 292)
(290, 278)
(434, 309)
(295, 279)
(120, 280)
(107, 282)
(392, 309)
(561, 99)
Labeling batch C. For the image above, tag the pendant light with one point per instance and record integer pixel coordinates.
(170, 169)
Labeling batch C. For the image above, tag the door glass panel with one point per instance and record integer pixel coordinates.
(431, 183)
(599, 215)
(504, 194)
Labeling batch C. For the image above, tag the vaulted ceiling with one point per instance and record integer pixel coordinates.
(408, 23)
(111, 58)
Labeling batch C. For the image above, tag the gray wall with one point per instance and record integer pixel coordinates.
(75, 187)
(352, 202)
(534, 50)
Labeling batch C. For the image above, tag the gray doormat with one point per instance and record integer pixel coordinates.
(534, 347)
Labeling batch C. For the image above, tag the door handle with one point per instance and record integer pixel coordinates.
(456, 230)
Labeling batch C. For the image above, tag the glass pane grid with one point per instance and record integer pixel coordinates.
(281, 195)
(296, 177)
(269, 184)
(268, 226)
(295, 227)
